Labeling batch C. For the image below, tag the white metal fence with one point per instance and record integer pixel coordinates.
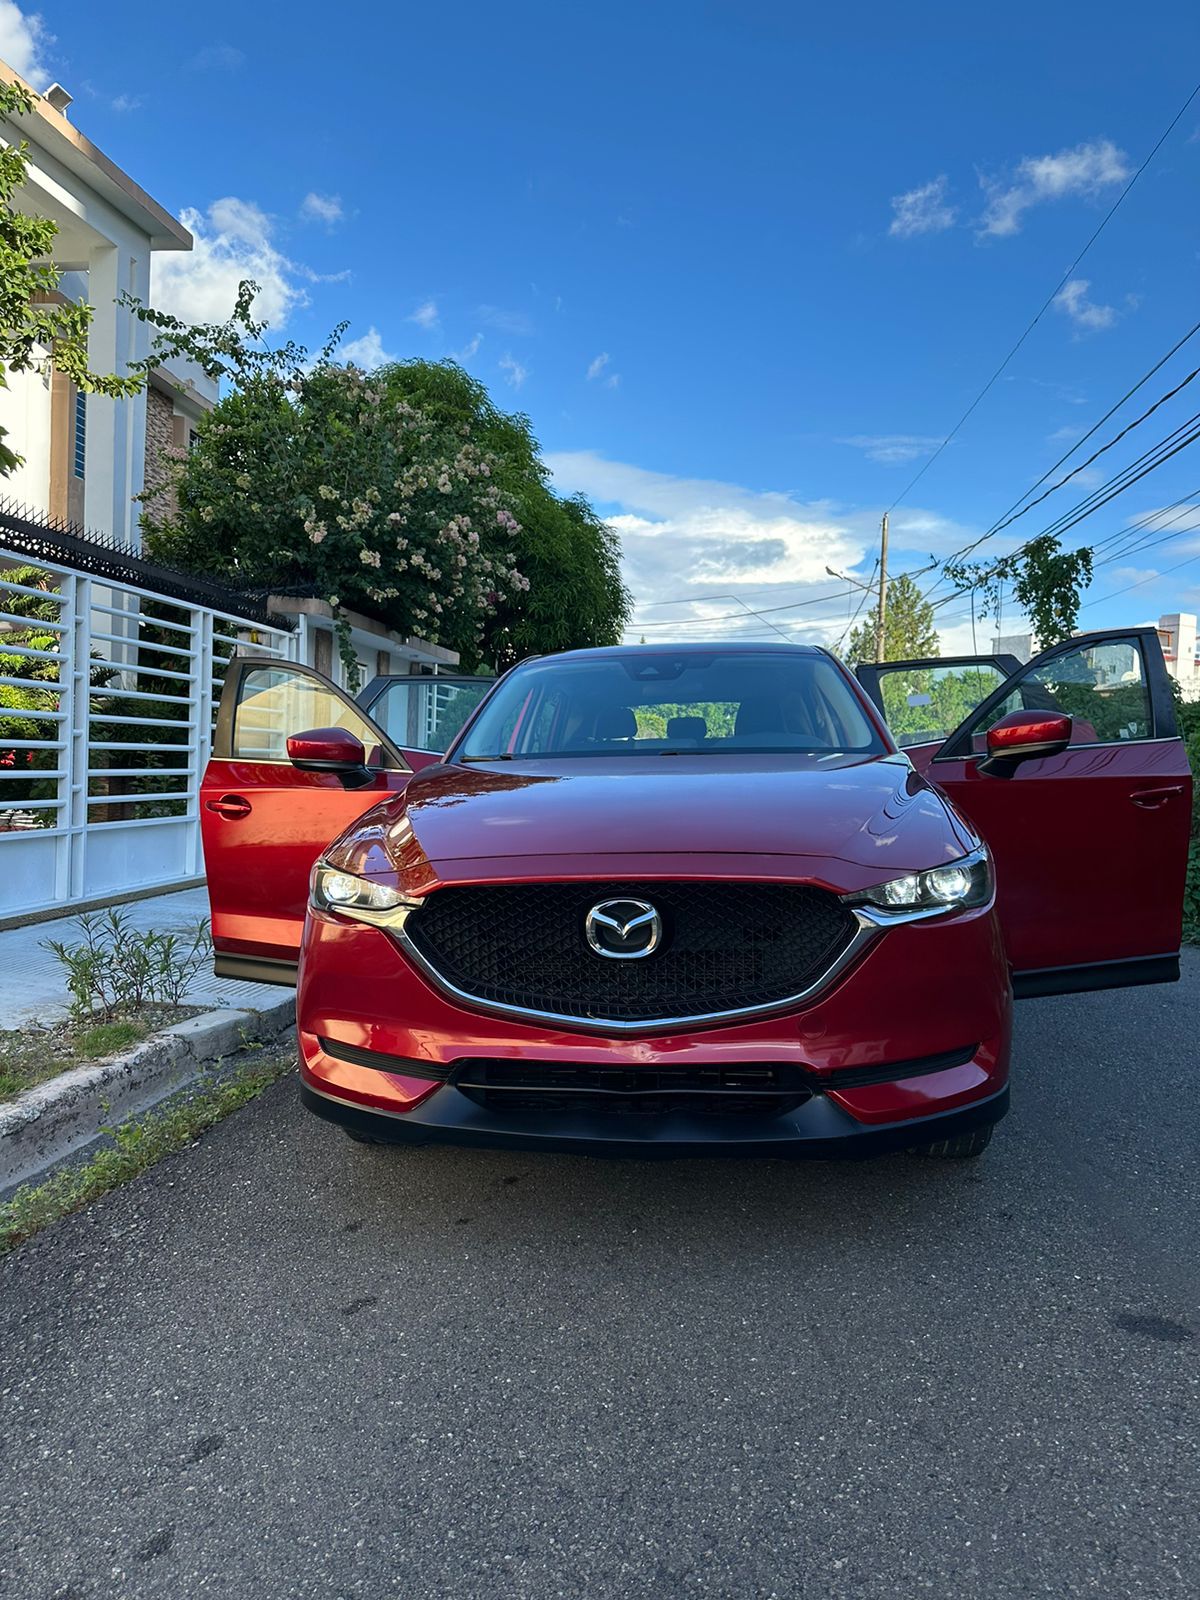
(108, 695)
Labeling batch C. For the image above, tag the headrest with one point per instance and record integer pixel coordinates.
(762, 715)
(616, 722)
(687, 728)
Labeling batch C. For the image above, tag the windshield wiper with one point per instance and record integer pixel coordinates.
(505, 755)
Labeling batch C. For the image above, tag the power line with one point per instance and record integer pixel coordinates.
(1141, 583)
(1049, 301)
(1008, 516)
(733, 616)
(1095, 456)
(1128, 550)
(1136, 544)
(849, 628)
(1138, 469)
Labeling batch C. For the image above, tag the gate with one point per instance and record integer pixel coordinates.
(108, 696)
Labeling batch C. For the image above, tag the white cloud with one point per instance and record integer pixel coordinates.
(426, 316)
(922, 210)
(471, 348)
(1065, 435)
(1086, 170)
(515, 322)
(892, 449)
(712, 548)
(232, 242)
(219, 58)
(596, 367)
(366, 352)
(326, 208)
(24, 40)
(1073, 301)
(128, 102)
(514, 372)
(965, 639)
(613, 381)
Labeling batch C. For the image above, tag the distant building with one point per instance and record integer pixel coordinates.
(1177, 635)
(1014, 644)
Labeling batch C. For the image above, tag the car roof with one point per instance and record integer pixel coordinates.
(690, 648)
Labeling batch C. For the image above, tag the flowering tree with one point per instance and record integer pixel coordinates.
(320, 482)
(404, 493)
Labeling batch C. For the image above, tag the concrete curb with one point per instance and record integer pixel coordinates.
(59, 1118)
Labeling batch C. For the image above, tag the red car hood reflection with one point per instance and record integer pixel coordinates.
(874, 813)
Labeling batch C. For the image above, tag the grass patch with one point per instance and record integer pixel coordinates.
(136, 1144)
(37, 1053)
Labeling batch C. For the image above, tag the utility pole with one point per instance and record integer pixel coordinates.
(881, 619)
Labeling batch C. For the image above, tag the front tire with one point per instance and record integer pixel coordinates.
(963, 1147)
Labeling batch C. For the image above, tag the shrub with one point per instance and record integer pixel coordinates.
(114, 969)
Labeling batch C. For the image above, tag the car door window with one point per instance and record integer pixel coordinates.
(923, 703)
(276, 701)
(1102, 687)
(426, 713)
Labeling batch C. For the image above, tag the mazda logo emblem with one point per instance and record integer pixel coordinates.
(623, 930)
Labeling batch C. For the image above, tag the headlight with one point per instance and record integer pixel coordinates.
(364, 898)
(957, 886)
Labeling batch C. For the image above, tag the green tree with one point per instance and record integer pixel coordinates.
(30, 322)
(569, 556)
(405, 493)
(909, 630)
(1046, 581)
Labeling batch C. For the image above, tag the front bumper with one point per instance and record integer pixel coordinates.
(921, 994)
(820, 1129)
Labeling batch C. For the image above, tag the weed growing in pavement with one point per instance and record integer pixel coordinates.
(114, 969)
(37, 1052)
(136, 1145)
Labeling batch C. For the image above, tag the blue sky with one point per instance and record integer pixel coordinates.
(742, 264)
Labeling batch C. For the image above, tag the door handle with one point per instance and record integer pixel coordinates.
(229, 805)
(1151, 799)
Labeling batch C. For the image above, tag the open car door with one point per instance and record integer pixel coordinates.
(422, 714)
(1090, 840)
(266, 813)
(924, 701)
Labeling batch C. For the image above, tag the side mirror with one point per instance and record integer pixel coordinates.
(1023, 736)
(327, 750)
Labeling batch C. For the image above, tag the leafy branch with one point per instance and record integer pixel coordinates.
(1046, 581)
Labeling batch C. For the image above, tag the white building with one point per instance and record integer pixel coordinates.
(88, 458)
(85, 454)
(1177, 635)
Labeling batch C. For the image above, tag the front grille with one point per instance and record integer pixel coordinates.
(724, 947)
(760, 1091)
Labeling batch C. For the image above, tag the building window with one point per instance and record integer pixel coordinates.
(193, 439)
(80, 433)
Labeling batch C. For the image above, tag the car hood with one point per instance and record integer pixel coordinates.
(876, 814)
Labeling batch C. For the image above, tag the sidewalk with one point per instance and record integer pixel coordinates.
(34, 989)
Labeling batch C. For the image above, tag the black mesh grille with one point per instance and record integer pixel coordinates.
(724, 946)
(753, 1090)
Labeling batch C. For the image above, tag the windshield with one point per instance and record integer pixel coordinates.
(652, 705)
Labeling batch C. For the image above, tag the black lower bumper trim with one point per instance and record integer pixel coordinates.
(1130, 974)
(820, 1129)
(255, 969)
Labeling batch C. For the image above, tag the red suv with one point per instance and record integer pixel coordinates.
(694, 899)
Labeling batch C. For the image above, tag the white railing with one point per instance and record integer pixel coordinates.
(108, 695)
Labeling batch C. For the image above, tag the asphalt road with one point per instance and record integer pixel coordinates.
(282, 1366)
